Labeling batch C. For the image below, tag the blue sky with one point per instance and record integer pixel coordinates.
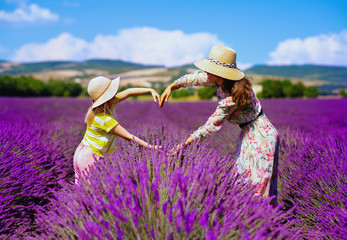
(175, 32)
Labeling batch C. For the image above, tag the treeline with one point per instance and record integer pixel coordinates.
(270, 89)
(204, 93)
(342, 93)
(281, 89)
(29, 86)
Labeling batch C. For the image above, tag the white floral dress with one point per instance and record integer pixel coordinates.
(257, 146)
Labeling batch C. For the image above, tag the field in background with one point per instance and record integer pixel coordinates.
(137, 192)
(328, 78)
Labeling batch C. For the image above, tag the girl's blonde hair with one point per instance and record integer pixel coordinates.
(104, 108)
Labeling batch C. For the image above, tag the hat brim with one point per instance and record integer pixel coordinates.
(234, 74)
(110, 92)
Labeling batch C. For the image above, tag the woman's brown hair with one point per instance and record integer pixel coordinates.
(240, 91)
(104, 108)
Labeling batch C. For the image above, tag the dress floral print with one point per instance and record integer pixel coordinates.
(257, 146)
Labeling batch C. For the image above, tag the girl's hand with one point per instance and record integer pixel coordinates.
(175, 150)
(155, 95)
(155, 147)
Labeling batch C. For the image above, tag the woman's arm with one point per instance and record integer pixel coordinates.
(123, 133)
(223, 111)
(189, 141)
(136, 92)
(195, 79)
(213, 124)
(175, 150)
(189, 80)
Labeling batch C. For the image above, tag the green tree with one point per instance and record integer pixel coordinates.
(7, 85)
(297, 90)
(272, 89)
(276, 89)
(73, 89)
(286, 87)
(56, 88)
(311, 92)
(161, 90)
(343, 93)
(35, 87)
(260, 95)
(207, 92)
(22, 86)
(181, 93)
(30, 86)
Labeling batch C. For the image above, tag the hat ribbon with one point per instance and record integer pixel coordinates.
(221, 63)
(104, 90)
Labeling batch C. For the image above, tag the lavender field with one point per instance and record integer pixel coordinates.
(137, 193)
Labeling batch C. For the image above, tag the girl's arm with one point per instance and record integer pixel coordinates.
(123, 133)
(138, 91)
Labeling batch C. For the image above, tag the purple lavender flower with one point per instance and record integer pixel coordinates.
(195, 194)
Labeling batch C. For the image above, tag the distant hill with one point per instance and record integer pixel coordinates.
(186, 66)
(328, 78)
(335, 77)
(312, 72)
(111, 66)
(331, 74)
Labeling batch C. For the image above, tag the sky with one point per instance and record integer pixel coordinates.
(173, 33)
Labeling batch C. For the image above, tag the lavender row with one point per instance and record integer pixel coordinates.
(142, 194)
(313, 180)
(38, 137)
(37, 140)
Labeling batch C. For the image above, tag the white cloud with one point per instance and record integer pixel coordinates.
(324, 49)
(244, 66)
(29, 13)
(64, 47)
(140, 45)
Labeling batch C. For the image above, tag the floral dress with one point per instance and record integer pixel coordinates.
(257, 146)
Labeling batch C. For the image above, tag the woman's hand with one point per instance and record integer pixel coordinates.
(155, 95)
(167, 93)
(165, 96)
(176, 149)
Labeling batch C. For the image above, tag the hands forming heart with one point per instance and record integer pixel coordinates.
(165, 95)
(162, 99)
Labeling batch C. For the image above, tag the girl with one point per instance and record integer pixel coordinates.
(257, 147)
(102, 127)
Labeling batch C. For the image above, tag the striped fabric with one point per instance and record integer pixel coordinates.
(98, 135)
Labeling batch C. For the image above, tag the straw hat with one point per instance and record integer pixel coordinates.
(221, 62)
(102, 89)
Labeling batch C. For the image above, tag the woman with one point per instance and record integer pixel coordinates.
(103, 128)
(257, 147)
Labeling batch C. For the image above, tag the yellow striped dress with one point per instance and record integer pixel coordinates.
(98, 135)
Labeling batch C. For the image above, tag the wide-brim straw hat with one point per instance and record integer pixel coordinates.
(221, 62)
(102, 89)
